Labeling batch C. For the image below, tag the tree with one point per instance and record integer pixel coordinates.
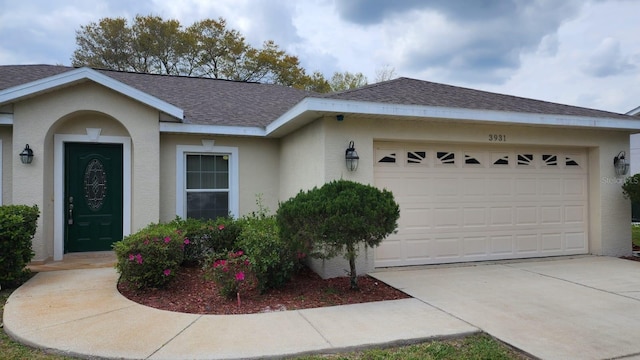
(385, 73)
(107, 44)
(346, 81)
(338, 218)
(206, 48)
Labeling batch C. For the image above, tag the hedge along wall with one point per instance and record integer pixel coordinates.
(17, 228)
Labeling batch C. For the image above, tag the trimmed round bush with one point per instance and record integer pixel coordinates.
(151, 257)
(336, 218)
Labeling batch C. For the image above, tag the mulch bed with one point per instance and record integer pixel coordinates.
(191, 293)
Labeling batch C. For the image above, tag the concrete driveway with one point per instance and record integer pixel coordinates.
(565, 308)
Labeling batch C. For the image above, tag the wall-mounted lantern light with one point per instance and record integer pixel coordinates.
(26, 156)
(351, 157)
(620, 164)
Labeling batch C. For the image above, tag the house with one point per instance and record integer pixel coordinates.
(478, 175)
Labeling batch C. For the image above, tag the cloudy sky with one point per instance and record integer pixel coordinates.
(577, 52)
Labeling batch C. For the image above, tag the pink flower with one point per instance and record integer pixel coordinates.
(139, 258)
(246, 262)
(146, 242)
(240, 276)
(167, 240)
(219, 263)
(167, 272)
(239, 253)
(186, 241)
(131, 257)
(220, 227)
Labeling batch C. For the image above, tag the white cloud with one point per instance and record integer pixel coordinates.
(576, 52)
(608, 60)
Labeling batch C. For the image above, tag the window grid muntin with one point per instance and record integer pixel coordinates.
(214, 170)
(218, 169)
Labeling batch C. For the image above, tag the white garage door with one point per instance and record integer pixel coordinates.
(461, 203)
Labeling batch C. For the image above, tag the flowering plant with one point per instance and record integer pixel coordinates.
(151, 257)
(232, 275)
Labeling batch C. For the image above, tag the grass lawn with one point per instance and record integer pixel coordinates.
(635, 234)
(473, 347)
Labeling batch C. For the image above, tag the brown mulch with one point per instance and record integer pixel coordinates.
(189, 292)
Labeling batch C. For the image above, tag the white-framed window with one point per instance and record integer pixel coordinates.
(206, 181)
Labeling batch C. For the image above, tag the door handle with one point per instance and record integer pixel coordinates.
(70, 219)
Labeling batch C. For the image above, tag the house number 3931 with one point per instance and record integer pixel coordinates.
(497, 137)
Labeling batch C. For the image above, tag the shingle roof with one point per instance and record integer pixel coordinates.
(408, 91)
(204, 100)
(222, 102)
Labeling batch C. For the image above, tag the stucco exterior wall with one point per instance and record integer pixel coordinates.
(303, 160)
(259, 170)
(609, 212)
(70, 111)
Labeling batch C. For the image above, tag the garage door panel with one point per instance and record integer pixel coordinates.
(576, 187)
(575, 214)
(474, 217)
(446, 218)
(501, 244)
(551, 187)
(500, 188)
(474, 187)
(415, 220)
(447, 246)
(551, 242)
(474, 246)
(527, 243)
(501, 215)
(526, 215)
(483, 204)
(576, 241)
(445, 188)
(418, 250)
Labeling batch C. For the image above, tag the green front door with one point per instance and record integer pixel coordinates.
(93, 196)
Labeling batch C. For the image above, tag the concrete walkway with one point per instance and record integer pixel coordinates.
(566, 308)
(81, 313)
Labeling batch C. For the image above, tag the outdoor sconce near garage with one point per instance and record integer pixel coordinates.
(351, 157)
(620, 164)
(26, 156)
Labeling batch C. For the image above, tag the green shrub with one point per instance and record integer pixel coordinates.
(150, 257)
(207, 237)
(18, 225)
(337, 217)
(273, 261)
(224, 234)
(631, 188)
(232, 274)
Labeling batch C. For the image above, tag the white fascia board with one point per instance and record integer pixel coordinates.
(635, 111)
(211, 129)
(72, 76)
(489, 116)
(6, 119)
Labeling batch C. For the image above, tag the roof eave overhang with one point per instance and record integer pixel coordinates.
(83, 74)
(197, 129)
(310, 109)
